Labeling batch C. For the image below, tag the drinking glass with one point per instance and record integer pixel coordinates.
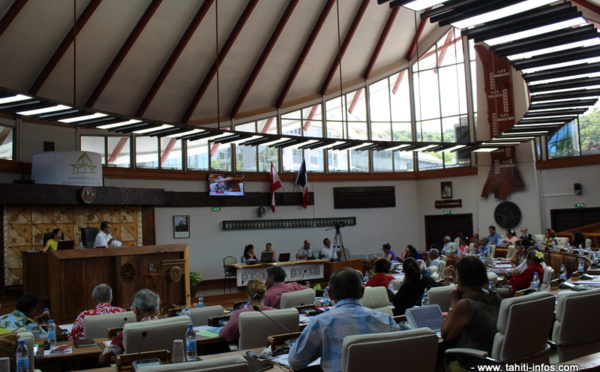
(178, 351)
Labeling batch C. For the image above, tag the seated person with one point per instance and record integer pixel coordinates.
(329, 252)
(464, 247)
(410, 251)
(578, 239)
(249, 253)
(389, 253)
(471, 320)
(269, 248)
(382, 278)
(511, 238)
(412, 288)
(103, 296)
(494, 238)
(256, 296)
(527, 239)
(523, 280)
(324, 335)
(423, 268)
(27, 307)
(276, 286)
(484, 250)
(104, 238)
(550, 239)
(146, 305)
(52, 243)
(306, 251)
(434, 258)
(448, 247)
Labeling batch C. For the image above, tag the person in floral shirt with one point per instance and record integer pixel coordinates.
(27, 307)
(102, 294)
(145, 306)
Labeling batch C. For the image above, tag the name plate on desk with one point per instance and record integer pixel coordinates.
(294, 271)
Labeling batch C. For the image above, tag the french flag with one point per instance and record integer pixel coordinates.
(302, 181)
(275, 184)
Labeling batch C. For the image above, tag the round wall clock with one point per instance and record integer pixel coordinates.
(507, 214)
(88, 195)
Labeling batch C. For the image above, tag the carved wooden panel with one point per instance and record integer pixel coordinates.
(364, 197)
(567, 219)
(289, 223)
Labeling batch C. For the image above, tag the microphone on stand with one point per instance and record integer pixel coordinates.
(303, 274)
(123, 322)
(144, 362)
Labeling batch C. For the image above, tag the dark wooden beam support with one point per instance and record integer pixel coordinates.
(304, 53)
(338, 59)
(221, 57)
(263, 57)
(62, 49)
(162, 76)
(382, 38)
(137, 31)
(11, 15)
(413, 45)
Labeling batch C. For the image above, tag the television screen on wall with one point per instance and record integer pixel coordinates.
(226, 184)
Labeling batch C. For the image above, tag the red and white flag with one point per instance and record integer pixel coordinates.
(302, 181)
(275, 184)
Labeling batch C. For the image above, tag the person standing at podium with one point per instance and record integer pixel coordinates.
(104, 239)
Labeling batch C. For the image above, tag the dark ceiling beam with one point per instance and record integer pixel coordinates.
(220, 58)
(112, 69)
(162, 76)
(11, 15)
(382, 38)
(586, 4)
(263, 58)
(415, 41)
(62, 49)
(347, 40)
(304, 53)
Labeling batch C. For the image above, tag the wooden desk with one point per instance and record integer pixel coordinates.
(68, 277)
(80, 358)
(294, 270)
(331, 267)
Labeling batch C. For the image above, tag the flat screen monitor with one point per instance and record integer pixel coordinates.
(226, 184)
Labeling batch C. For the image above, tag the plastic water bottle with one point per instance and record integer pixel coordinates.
(325, 298)
(425, 300)
(187, 312)
(22, 357)
(563, 273)
(580, 268)
(80, 244)
(244, 260)
(200, 301)
(51, 333)
(535, 283)
(581, 251)
(151, 268)
(492, 287)
(190, 344)
(366, 277)
(45, 316)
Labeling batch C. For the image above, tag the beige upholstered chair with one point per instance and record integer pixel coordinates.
(235, 363)
(159, 334)
(588, 243)
(433, 270)
(548, 275)
(200, 315)
(441, 269)
(297, 298)
(97, 326)
(440, 296)
(575, 332)
(414, 350)
(510, 251)
(562, 241)
(396, 284)
(255, 327)
(518, 337)
(377, 298)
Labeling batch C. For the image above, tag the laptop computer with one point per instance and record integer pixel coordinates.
(284, 257)
(425, 316)
(266, 257)
(62, 245)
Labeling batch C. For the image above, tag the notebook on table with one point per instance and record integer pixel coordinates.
(425, 316)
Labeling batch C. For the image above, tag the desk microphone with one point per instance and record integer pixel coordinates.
(123, 322)
(144, 362)
(144, 334)
(303, 274)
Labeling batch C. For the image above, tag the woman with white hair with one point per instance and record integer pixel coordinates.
(145, 307)
(103, 296)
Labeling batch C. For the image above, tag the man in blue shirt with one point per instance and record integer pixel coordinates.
(324, 335)
(484, 250)
(494, 238)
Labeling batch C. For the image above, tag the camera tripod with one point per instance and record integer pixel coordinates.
(338, 243)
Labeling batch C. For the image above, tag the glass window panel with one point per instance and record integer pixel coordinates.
(335, 129)
(220, 158)
(379, 101)
(314, 160)
(451, 128)
(359, 161)
(429, 160)
(292, 158)
(400, 97)
(334, 110)
(291, 127)
(120, 152)
(428, 60)
(146, 152)
(403, 161)
(449, 90)
(417, 96)
(267, 126)
(313, 122)
(337, 161)
(446, 50)
(357, 106)
(266, 155)
(462, 89)
(402, 131)
(589, 129)
(6, 143)
(171, 156)
(381, 132)
(245, 158)
(474, 85)
(429, 131)
(564, 142)
(429, 96)
(197, 155)
(458, 46)
(315, 110)
(382, 161)
(293, 115)
(357, 130)
(94, 144)
(249, 127)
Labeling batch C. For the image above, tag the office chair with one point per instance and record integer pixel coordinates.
(413, 350)
(440, 296)
(574, 333)
(88, 236)
(200, 315)
(255, 327)
(297, 298)
(235, 363)
(230, 271)
(49, 235)
(97, 326)
(377, 298)
(159, 334)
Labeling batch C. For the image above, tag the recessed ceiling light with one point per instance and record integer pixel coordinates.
(82, 118)
(536, 31)
(120, 124)
(502, 13)
(43, 110)
(153, 129)
(17, 98)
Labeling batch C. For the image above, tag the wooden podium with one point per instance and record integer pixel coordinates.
(68, 277)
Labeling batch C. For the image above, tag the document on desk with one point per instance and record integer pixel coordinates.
(208, 331)
(64, 349)
(66, 327)
(283, 359)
